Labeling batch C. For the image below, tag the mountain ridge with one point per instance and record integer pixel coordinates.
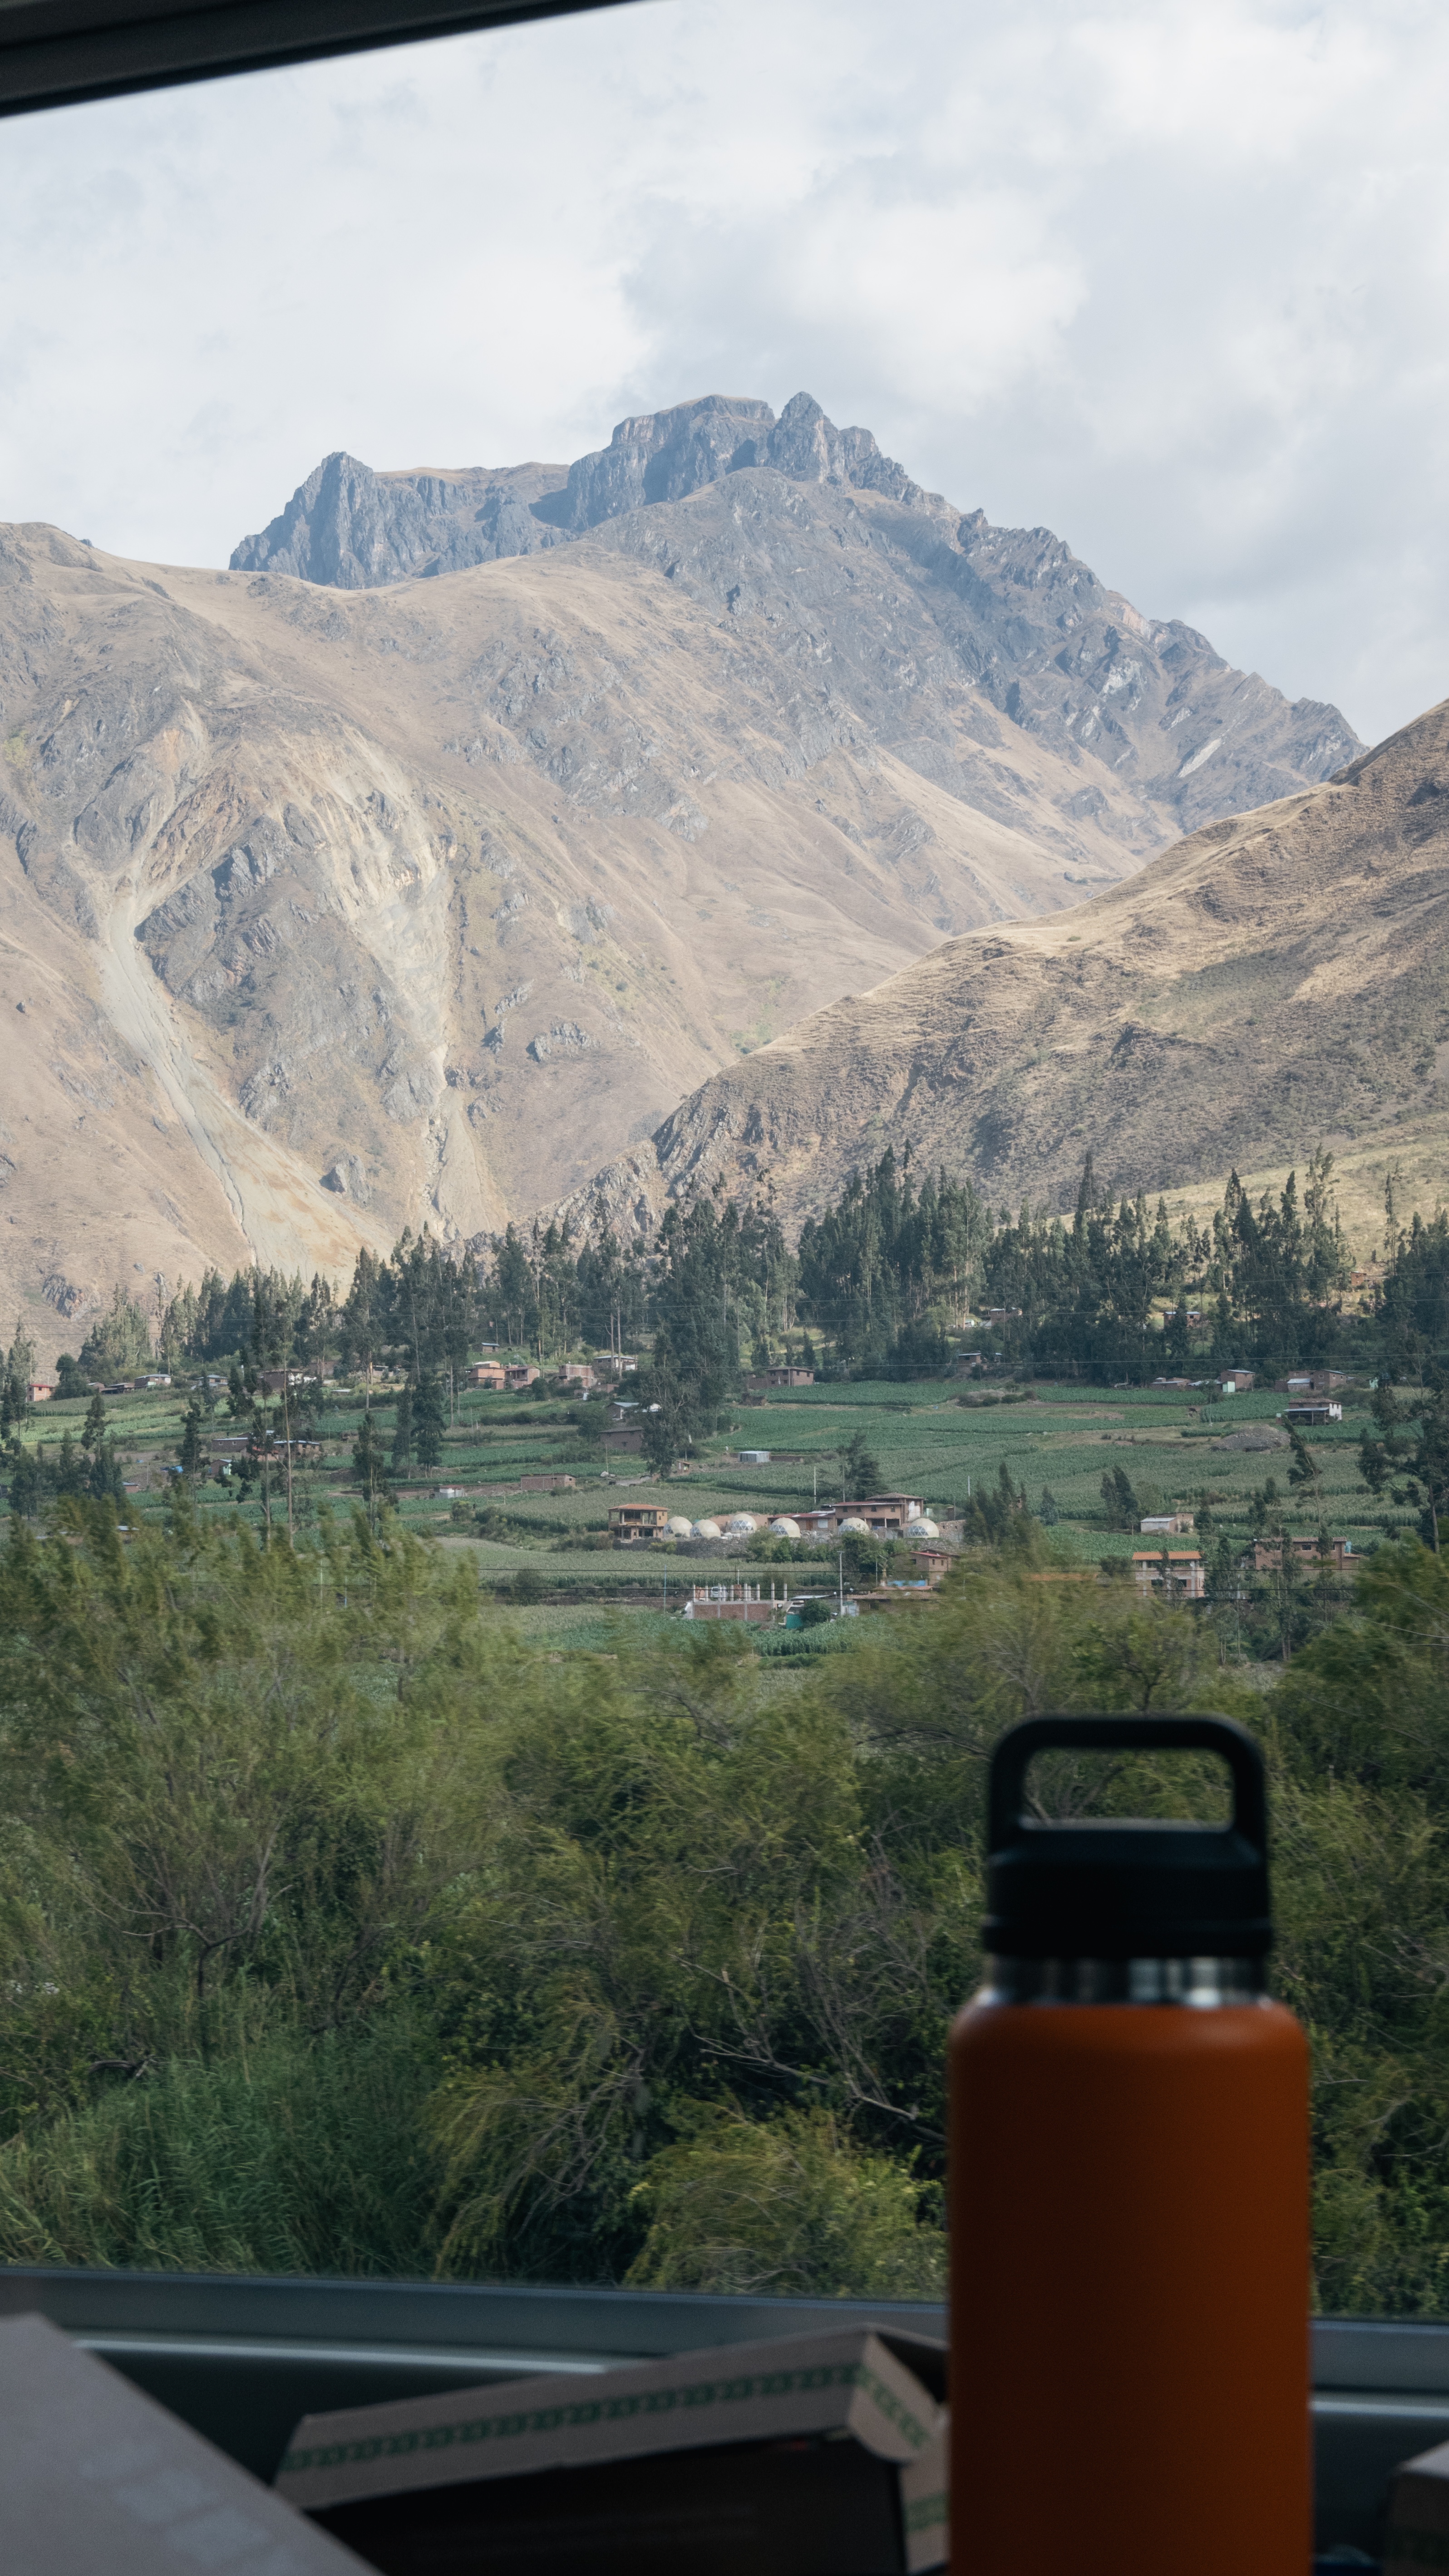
(1277, 981)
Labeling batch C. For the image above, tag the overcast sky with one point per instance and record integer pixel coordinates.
(1169, 279)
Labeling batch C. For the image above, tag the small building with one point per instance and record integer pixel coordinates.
(636, 1524)
(490, 1373)
(623, 1440)
(739, 1601)
(1268, 1554)
(546, 1484)
(576, 1373)
(1236, 1381)
(1181, 1384)
(272, 1381)
(41, 1391)
(1312, 1381)
(1306, 1417)
(614, 1363)
(891, 1596)
(754, 1457)
(1167, 1524)
(519, 1374)
(1175, 1570)
(934, 1563)
(758, 1379)
(886, 1515)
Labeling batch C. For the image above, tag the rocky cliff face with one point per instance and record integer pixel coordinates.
(1278, 980)
(355, 530)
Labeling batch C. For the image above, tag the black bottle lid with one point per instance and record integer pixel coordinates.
(1123, 1889)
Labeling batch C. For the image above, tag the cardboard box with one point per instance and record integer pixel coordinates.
(95, 2477)
(1418, 2529)
(786, 2458)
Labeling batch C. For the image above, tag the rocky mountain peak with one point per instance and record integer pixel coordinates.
(355, 529)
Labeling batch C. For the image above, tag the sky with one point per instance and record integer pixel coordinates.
(1170, 280)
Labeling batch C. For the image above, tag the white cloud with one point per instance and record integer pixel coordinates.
(1169, 280)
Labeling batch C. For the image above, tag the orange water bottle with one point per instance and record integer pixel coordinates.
(1128, 2193)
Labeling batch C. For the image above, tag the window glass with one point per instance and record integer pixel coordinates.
(531, 1486)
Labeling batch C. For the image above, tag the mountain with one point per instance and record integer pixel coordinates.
(1158, 732)
(1279, 980)
(329, 906)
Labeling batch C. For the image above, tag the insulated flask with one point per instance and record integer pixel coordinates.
(1128, 2193)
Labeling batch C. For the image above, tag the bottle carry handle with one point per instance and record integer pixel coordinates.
(1220, 1735)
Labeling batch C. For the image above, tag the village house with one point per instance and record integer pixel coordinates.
(1267, 1555)
(490, 1373)
(1178, 1570)
(518, 1375)
(1236, 1381)
(1312, 1381)
(761, 1378)
(615, 1363)
(934, 1563)
(885, 1515)
(889, 1515)
(40, 1392)
(636, 1524)
(1304, 1417)
(576, 1373)
(1167, 1524)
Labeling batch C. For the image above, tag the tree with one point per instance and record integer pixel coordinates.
(402, 1428)
(120, 1343)
(860, 1469)
(104, 1483)
(27, 1487)
(1412, 1442)
(429, 1419)
(369, 1465)
(70, 1468)
(1002, 1519)
(1122, 1508)
(189, 1451)
(96, 1423)
(668, 1413)
(1048, 1515)
(70, 1378)
(1305, 1471)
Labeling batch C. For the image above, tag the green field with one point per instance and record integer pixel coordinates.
(925, 1439)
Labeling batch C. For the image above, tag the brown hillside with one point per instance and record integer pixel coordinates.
(1277, 980)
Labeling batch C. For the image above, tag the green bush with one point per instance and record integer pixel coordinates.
(343, 1930)
(787, 2207)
